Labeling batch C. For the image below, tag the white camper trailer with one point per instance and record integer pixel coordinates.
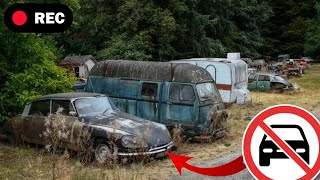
(230, 74)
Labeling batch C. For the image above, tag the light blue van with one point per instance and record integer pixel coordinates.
(177, 95)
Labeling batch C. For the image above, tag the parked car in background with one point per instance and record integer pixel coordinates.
(268, 82)
(308, 60)
(252, 71)
(303, 63)
(283, 57)
(248, 61)
(80, 85)
(293, 65)
(259, 63)
(276, 69)
(177, 95)
(109, 127)
(294, 72)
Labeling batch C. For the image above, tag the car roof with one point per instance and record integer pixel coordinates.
(265, 73)
(68, 96)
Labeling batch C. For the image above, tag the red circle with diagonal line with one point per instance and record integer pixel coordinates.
(258, 121)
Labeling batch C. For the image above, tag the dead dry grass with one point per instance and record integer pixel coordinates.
(31, 163)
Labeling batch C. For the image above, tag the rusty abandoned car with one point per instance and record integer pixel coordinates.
(176, 95)
(130, 135)
(268, 82)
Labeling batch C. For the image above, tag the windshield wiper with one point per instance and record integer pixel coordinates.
(105, 111)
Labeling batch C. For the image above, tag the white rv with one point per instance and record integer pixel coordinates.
(230, 74)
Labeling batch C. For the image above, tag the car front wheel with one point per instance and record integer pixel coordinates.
(102, 153)
(264, 161)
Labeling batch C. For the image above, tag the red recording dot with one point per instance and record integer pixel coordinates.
(19, 18)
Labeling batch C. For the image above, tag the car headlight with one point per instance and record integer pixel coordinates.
(164, 128)
(267, 150)
(300, 150)
(133, 142)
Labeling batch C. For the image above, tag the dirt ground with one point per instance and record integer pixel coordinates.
(33, 163)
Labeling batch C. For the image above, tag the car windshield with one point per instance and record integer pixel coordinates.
(93, 106)
(208, 91)
(279, 78)
(287, 134)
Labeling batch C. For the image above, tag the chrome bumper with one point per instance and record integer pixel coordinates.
(152, 151)
(288, 88)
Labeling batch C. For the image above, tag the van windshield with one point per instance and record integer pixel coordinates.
(208, 91)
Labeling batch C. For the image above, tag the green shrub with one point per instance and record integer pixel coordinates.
(39, 79)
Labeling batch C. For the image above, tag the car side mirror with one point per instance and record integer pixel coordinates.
(72, 113)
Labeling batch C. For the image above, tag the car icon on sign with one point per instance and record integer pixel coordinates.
(293, 135)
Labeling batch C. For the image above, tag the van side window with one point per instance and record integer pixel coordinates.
(149, 89)
(182, 92)
(175, 92)
(187, 93)
(40, 108)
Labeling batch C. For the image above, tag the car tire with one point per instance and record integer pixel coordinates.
(277, 88)
(263, 161)
(102, 152)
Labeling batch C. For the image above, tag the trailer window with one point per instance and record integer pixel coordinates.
(149, 89)
(241, 74)
(182, 92)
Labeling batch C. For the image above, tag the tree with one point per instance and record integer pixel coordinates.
(214, 28)
(122, 47)
(27, 69)
(285, 32)
(312, 44)
(144, 28)
(162, 30)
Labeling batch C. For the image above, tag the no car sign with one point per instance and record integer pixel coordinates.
(282, 142)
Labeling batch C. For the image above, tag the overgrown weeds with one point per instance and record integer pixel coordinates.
(54, 135)
(85, 146)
